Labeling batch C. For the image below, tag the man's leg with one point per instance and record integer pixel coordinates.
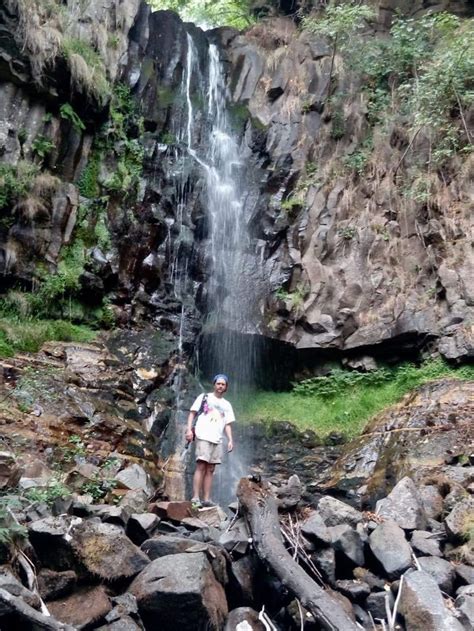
(199, 475)
(207, 483)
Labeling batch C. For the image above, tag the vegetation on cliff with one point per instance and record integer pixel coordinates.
(343, 401)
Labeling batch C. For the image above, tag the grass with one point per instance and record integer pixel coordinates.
(344, 401)
(29, 334)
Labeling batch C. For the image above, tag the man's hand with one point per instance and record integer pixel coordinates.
(189, 435)
(230, 446)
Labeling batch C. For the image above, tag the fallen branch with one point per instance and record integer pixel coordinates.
(260, 509)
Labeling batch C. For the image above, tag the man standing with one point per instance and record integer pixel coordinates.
(214, 417)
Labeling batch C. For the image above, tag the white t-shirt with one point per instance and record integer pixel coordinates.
(211, 422)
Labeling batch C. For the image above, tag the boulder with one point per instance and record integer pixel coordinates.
(465, 605)
(426, 543)
(465, 573)
(348, 542)
(390, 548)
(51, 539)
(459, 519)
(422, 606)
(404, 506)
(375, 603)
(164, 545)
(135, 501)
(432, 500)
(235, 542)
(140, 527)
(356, 591)
(289, 494)
(335, 513)
(52, 585)
(212, 516)
(316, 530)
(134, 478)
(106, 552)
(244, 572)
(180, 591)
(87, 606)
(173, 511)
(325, 561)
(441, 570)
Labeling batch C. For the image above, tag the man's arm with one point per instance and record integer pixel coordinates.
(228, 433)
(189, 429)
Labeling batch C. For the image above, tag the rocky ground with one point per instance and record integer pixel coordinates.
(384, 522)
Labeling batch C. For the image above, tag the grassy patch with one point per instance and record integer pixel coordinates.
(344, 401)
(28, 335)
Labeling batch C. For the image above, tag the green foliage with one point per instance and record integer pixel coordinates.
(11, 532)
(347, 233)
(67, 112)
(343, 401)
(236, 13)
(340, 22)
(42, 146)
(87, 68)
(47, 494)
(295, 298)
(89, 180)
(15, 181)
(29, 334)
(99, 487)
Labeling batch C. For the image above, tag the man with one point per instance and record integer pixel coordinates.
(214, 417)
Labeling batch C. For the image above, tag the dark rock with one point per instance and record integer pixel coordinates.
(173, 511)
(52, 585)
(362, 616)
(347, 541)
(244, 571)
(465, 573)
(181, 592)
(122, 624)
(431, 500)
(422, 606)
(85, 607)
(135, 501)
(363, 575)
(316, 530)
(403, 506)
(52, 546)
(390, 548)
(426, 543)
(140, 527)
(163, 545)
(10, 583)
(243, 618)
(22, 616)
(457, 520)
(105, 551)
(356, 591)
(325, 561)
(235, 542)
(134, 478)
(375, 603)
(289, 494)
(335, 513)
(465, 605)
(442, 571)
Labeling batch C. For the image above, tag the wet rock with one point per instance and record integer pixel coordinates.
(403, 505)
(140, 527)
(334, 512)
(22, 616)
(51, 539)
(422, 606)
(105, 551)
(181, 592)
(134, 478)
(458, 519)
(10, 470)
(390, 548)
(426, 543)
(442, 571)
(52, 585)
(244, 572)
(316, 530)
(243, 618)
(85, 607)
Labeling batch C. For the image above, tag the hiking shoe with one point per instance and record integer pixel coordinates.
(196, 502)
(208, 504)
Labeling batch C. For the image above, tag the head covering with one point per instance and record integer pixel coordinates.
(223, 377)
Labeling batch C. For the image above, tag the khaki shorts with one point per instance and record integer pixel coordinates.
(209, 452)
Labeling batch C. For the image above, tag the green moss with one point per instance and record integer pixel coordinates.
(89, 180)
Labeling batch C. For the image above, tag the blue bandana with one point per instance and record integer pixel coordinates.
(223, 377)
